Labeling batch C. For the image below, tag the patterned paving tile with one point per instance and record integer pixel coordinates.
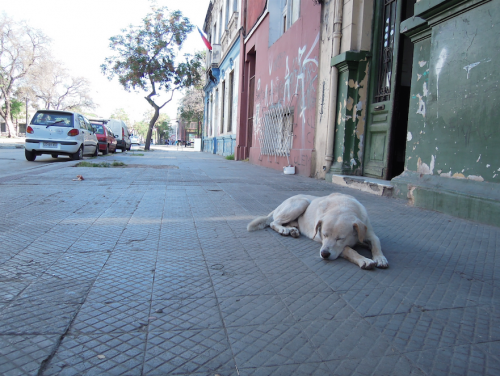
(106, 354)
(254, 310)
(346, 339)
(112, 290)
(310, 369)
(297, 283)
(55, 290)
(282, 266)
(416, 331)
(378, 301)
(457, 360)
(182, 287)
(318, 306)
(10, 289)
(475, 324)
(391, 365)
(184, 314)
(271, 345)
(43, 317)
(23, 355)
(246, 284)
(188, 352)
(97, 318)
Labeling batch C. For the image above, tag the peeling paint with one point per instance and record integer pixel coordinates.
(409, 136)
(419, 76)
(339, 159)
(479, 158)
(475, 178)
(439, 66)
(445, 174)
(421, 105)
(470, 66)
(349, 103)
(423, 168)
(352, 84)
(422, 63)
(458, 175)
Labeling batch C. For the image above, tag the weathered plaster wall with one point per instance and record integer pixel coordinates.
(455, 103)
(356, 36)
(254, 11)
(287, 72)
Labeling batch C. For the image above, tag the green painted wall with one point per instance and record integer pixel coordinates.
(453, 128)
(452, 161)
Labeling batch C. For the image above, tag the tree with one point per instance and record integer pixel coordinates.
(146, 59)
(52, 85)
(21, 48)
(120, 114)
(162, 124)
(191, 107)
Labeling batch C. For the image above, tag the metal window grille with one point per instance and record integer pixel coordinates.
(386, 51)
(276, 131)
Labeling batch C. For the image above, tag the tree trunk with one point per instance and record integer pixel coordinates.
(152, 122)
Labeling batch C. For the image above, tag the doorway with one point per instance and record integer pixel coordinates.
(390, 82)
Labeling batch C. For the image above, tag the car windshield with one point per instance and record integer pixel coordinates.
(52, 118)
(99, 129)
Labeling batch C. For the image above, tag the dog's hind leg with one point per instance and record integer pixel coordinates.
(287, 213)
(377, 255)
(351, 255)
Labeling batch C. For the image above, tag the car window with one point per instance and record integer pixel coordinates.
(99, 129)
(110, 132)
(52, 118)
(87, 124)
(82, 122)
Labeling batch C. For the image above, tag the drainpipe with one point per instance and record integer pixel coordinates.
(334, 78)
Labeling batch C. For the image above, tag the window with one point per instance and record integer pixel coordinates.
(222, 107)
(282, 15)
(230, 102)
(220, 24)
(227, 13)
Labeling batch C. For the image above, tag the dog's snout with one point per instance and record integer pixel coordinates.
(325, 253)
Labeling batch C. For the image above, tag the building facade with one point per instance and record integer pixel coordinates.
(222, 27)
(411, 97)
(278, 77)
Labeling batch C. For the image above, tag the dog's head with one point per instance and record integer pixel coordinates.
(336, 233)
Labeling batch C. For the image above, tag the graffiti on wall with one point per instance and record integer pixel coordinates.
(291, 81)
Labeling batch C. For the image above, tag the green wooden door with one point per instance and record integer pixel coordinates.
(382, 88)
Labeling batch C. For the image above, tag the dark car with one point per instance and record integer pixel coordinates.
(105, 138)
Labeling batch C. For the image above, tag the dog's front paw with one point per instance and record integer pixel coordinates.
(381, 261)
(368, 264)
(294, 232)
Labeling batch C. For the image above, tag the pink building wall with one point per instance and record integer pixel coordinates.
(287, 72)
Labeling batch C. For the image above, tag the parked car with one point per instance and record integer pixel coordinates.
(105, 137)
(59, 133)
(121, 134)
(134, 140)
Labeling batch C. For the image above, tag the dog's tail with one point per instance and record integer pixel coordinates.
(260, 223)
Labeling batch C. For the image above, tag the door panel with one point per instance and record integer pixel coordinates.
(382, 88)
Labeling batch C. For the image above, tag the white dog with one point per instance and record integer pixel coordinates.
(337, 221)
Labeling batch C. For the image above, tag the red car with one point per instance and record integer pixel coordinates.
(105, 138)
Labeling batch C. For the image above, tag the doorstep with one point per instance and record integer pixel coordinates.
(374, 186)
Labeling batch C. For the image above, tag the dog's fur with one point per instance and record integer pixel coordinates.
(338, 221)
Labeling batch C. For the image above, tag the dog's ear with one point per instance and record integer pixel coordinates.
(360, 228)
(318, 228)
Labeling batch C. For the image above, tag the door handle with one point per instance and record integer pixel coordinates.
(380, 107)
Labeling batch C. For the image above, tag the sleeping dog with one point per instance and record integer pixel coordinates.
(337, 221)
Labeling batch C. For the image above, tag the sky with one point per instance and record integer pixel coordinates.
(80, 32)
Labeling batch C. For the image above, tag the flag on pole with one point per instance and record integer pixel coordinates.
(205, 40)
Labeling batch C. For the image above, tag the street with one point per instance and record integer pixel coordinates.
(148, 269)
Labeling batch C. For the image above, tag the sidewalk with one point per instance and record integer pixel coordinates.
(149, 270)
(11, 143)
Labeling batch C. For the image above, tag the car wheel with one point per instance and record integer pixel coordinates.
(105, 151)
(54, 155)
(30, 156)
(78, 155)
(96, 152)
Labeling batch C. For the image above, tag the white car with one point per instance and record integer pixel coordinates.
(134, 140)
(60, 133)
